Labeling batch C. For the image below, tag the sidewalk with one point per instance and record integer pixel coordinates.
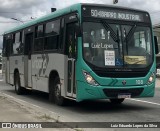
(14, 111)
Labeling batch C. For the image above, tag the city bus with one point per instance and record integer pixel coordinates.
(83, 52)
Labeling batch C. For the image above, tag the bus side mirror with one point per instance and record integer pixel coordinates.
(156, 45)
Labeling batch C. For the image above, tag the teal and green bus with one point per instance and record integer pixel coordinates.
(83, 52)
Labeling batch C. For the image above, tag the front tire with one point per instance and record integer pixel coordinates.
(116, 101)
(18, 89)
(55, 93)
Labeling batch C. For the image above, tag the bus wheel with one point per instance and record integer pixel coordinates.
(116, 101)
(18, 89)
(58, 99)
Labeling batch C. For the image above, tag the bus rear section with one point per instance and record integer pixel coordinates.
(117, 53)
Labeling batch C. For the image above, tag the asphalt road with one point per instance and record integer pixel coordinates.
(139, 110)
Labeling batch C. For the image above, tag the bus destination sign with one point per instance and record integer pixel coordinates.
(116, 14)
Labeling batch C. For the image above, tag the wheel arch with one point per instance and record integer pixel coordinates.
(15, 71)
(53, 74)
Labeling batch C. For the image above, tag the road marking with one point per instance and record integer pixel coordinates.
(145, 102)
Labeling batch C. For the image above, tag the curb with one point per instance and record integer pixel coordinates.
(40, 112)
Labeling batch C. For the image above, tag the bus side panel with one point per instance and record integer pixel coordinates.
(57, 62)
(35, 65)
(39, 78)
(42, 65)
(8, 71)
(27, 72)
(4, 69)
(39, 75)
(17, 62)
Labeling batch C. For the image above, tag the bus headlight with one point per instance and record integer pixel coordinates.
(90, 80)
(151, 78)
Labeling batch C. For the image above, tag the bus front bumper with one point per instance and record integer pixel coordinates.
(89, 92)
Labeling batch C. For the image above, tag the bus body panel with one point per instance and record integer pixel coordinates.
(27, 72)
(88, 92)
(17, 63)
(42, 65)
(4, 69)
(8, 71)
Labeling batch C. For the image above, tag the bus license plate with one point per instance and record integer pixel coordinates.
(124, 95)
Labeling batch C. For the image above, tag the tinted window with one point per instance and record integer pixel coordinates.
(17, 37)
(51, 42)
(38, 45)
(18, 46)
(52, 35)
(52, 28)
(39, 31)
(4, 46)
(7, 45)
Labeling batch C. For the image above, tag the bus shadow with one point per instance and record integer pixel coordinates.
(88, 106)
(94, 106)
(104, 106)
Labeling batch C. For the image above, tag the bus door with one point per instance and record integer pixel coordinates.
(28, 68)
(71, 53)
(7, 60)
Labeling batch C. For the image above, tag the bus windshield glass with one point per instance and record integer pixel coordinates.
(117, 45)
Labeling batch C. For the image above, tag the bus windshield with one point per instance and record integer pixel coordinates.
(117, 45)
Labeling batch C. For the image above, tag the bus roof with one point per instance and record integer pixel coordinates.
(75, 7)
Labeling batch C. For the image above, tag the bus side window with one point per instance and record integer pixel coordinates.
(52, 35)
(4, 47)
(61, 46)
(18, 45)
(7, 46)
(39, 40)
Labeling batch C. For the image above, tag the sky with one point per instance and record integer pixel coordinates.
(26, 10)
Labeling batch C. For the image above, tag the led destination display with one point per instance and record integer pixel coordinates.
(115, 14)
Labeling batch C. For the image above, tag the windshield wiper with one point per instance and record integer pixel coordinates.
(129, 35)
(115, 36)
(118, 41)
(108, 28)
(132, 30)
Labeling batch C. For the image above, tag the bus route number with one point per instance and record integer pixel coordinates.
(139, 82)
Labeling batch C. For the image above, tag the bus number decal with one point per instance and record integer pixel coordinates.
(41, 62)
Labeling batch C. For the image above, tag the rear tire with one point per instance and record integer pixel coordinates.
(18, 89)
(116, 101)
